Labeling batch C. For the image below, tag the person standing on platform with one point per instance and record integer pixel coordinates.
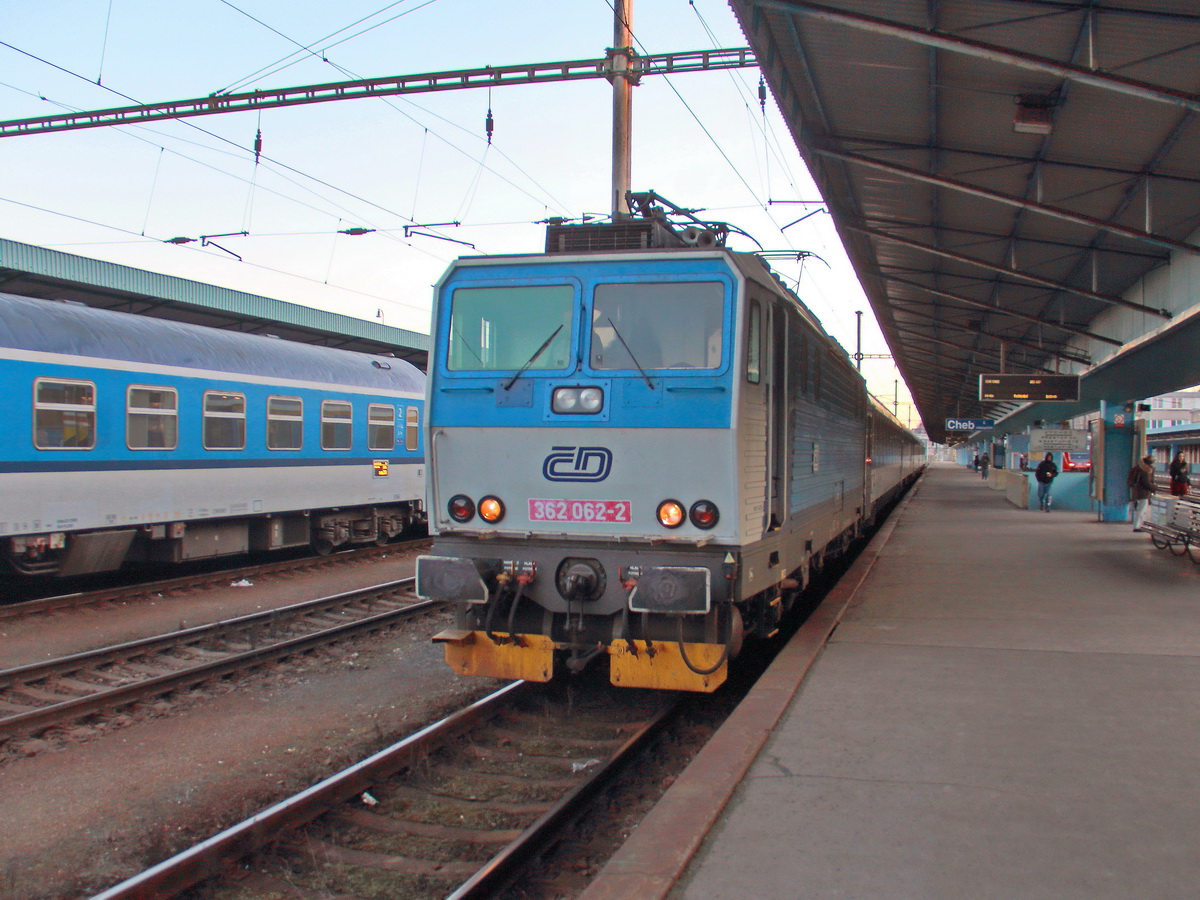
(975, 463)
(1045, 473)
(1180, 475)
(984, 462)
(1141, 489)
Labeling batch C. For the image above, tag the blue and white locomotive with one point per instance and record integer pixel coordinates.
(638, 454)
(133, 439)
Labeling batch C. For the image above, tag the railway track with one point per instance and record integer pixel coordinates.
(40, 695)
(127, 593)
(452, 811)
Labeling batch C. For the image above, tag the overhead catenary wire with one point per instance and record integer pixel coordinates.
(243, 149)
(307, 49)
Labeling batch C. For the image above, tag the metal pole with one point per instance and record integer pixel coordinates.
(858, 354)
(621, 55)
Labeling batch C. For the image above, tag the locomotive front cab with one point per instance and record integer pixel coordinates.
(575, 406)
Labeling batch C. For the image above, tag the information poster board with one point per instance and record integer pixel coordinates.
(1055, 440)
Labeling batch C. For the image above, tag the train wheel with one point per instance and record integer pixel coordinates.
(382, 538)
(322, 546)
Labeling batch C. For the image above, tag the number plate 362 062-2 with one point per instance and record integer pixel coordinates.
(579, 511)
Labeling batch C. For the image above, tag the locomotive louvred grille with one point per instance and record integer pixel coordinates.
(619, 236)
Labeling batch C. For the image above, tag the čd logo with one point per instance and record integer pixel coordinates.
(577, 464)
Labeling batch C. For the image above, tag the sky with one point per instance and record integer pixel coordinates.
(399, 165)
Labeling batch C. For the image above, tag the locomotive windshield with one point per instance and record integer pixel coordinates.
(499, 328)
(668, 325)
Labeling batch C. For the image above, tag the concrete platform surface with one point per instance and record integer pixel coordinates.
(1010, 708)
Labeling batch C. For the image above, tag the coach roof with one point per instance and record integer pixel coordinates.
(75, 329)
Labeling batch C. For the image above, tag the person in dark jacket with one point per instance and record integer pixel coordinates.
(1180, 472)
(1141, 489)
(1045, 473)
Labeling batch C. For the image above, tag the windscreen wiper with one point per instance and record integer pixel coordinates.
(536, 353)
(649, 383)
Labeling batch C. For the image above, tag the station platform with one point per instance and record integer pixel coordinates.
(994, 703)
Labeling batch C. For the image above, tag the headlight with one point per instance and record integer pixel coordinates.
(577, 400)
(461, 508)
(704, 514)
(491, 509)
(670, 514)
(591, 399)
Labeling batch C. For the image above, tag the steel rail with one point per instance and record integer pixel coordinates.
(206, 859)
(42, 717)
(123, 592)
(505, 864)
(212, 857)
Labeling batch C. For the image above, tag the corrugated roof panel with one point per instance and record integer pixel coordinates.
(94, 273)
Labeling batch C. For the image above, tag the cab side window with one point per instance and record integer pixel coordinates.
(754, 343)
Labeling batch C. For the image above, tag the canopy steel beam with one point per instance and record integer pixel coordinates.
(489, 76)
(1125, 174)
(999, 310)
(1106, 81)
(1006, 270)
(1007, 199)
(917, 335)
(993, 237)
(902, 308)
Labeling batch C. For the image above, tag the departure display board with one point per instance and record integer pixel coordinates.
(1030, 388)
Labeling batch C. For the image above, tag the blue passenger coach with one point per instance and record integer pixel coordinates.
(640, 456)
(132, 439)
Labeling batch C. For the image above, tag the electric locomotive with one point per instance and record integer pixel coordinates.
(639, 446)
(132, 439)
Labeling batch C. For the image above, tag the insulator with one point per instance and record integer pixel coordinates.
(762, 94)
(258, 145)
(489, 125)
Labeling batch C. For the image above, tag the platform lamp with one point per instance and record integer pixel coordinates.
(1035, 113)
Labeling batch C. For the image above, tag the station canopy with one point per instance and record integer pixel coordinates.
(1004, 174)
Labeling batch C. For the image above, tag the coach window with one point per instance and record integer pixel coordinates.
(285, 423)
(658, 325)
(64, 414)
(337, 419)
(151, 418)
(754, 344)
(381, 427)
(224, 421)
(412, 433)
